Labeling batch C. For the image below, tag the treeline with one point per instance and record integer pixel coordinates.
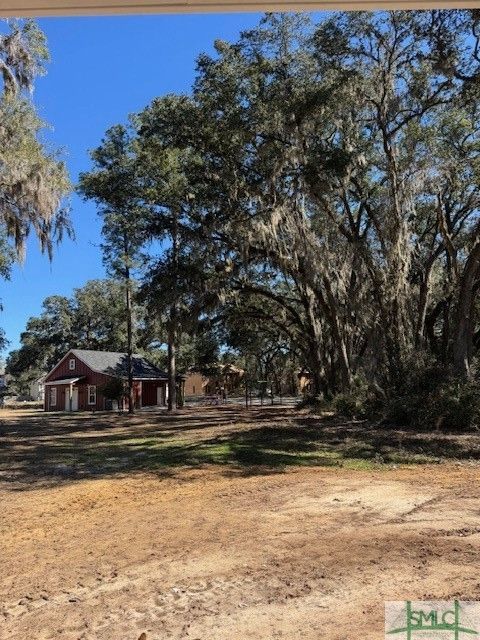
(319, 188)
(94, 317)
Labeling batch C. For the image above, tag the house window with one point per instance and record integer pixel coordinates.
(71, 364)
(53, 396)
(92, 394)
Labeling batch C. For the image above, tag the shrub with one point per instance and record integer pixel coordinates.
(427, 398)
(114, 390)
(358, 402)
(349, 405)
(455, 405)
(435, 401)
(313, 403)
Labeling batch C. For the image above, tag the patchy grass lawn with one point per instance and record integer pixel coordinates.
(223, 524)
(37, 446)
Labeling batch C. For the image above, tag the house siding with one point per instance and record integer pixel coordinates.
(149, 392)
(145, 392)
(96, 379)
(81, 370)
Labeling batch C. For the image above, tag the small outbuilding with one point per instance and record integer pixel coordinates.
(222, 376)
(75, 383)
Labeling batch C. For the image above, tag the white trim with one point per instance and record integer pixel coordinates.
(58, 363)
(141, 379)
(65, 381)
(92, 386)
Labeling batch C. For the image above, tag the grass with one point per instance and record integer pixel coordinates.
(58, 447)
(266, 448)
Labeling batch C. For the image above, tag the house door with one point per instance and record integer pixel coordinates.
(74, 399)
(159, 395)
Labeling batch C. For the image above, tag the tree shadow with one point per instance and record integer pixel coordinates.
(49, 449)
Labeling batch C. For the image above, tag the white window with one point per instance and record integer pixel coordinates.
(71, 364)
(92, 394)
(53, 396)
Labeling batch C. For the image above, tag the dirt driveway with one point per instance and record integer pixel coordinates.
(218, 551)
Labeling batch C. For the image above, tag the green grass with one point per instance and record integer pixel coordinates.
(244, 451)
(61, 448)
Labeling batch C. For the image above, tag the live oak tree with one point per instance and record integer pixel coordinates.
(403, 194)
(320, 185)
(33, 179)
(331, 158)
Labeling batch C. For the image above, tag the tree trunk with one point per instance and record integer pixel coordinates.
(423, 305)
(172, 329)
(340, 367)
(128, 301)
(462, 344)
(393, 347)
(172, 368)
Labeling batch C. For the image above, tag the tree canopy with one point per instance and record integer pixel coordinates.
(34, 182)
(33, 178)
(315, 198)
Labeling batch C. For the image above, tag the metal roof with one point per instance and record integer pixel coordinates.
(114, 363)
(64, 380)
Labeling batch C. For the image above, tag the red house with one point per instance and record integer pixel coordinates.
(75, 383)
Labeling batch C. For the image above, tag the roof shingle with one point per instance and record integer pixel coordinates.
(114, 363)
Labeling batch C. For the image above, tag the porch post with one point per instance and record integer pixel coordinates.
(70, 396)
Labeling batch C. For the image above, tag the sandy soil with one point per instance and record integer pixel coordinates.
(205, 554)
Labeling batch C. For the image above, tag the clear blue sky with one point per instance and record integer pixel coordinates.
(102, 69)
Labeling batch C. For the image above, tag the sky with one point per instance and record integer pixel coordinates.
(102, 69)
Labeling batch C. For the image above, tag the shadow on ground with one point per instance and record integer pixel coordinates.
(48, 449)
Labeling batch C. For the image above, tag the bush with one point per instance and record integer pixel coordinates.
(349, 405)
(313, 403)
(433, 400)
(114, 390)
(427, 398)
(359, 402)
(454, 406)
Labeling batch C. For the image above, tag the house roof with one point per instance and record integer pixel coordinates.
(114, 363)
(64, 380)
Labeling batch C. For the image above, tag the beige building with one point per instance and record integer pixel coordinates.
(304, 381)
(194, 384)
(228, 377)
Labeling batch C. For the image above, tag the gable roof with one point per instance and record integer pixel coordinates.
(114, 363)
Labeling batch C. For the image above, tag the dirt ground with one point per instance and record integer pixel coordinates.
(111, 527)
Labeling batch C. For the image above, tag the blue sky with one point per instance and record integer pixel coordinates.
(102, 69)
